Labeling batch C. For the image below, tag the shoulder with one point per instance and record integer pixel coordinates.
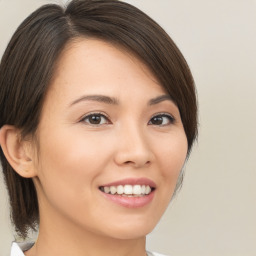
(155, 254)
(17, 249)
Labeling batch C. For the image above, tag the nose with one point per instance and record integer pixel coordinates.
(133, 148)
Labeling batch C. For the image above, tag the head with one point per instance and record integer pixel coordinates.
(31, 63)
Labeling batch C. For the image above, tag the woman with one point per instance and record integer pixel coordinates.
(98, 115)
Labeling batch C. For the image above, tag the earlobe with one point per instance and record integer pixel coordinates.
(17, 151)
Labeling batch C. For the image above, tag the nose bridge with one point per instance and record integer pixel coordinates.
(134, 148)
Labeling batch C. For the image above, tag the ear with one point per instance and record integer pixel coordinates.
(18, 152)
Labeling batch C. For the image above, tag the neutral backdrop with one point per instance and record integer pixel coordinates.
(215, 212)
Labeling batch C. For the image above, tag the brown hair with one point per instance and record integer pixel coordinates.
(28, 65)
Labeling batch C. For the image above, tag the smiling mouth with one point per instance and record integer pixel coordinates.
(128, 190)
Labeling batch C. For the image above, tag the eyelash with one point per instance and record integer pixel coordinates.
(170, 118)
(98, 114)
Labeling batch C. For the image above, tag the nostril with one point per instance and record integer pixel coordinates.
(128, 162)
(137, 163)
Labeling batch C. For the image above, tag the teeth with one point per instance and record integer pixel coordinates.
(120, 190)
(113, 190)
(137, 190)
(143, 189)
(128, 189)
(148, 190)
(106, 190)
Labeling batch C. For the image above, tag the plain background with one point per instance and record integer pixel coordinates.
(215, 212)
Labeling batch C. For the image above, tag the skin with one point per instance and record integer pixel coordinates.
(73, 157)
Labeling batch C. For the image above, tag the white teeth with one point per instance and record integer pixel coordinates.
(136, 190)
(148, 189)
(106, 190)
(143, 189)
(112, 190)
(120, 190)
(128, 189)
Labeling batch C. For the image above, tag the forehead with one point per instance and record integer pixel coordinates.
(96, 65)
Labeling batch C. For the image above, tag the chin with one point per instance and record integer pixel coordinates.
(129, 232)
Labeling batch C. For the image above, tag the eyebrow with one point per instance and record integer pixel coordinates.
(98, 98)
(159, 99)
(115, 101)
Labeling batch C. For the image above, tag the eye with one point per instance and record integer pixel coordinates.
(95, 119)
(162, 120)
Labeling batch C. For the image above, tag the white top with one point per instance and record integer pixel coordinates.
(18, 249)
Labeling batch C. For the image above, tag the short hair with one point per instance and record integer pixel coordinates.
(31, 57)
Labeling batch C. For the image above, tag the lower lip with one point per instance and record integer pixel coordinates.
(130, 202)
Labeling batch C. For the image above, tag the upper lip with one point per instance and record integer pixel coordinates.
(132, 181)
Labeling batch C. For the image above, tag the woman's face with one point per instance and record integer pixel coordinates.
(111, 144)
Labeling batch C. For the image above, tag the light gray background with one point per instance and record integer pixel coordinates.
(215, 212)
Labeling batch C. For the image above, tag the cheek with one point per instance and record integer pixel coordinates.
(69, 161)
(68, 172)
(171, 157)
(173, 152)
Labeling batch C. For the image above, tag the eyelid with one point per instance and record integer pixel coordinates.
(164, 114)
(81, 119)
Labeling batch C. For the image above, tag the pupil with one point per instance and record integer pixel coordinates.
(157, 120)
(95, 119)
